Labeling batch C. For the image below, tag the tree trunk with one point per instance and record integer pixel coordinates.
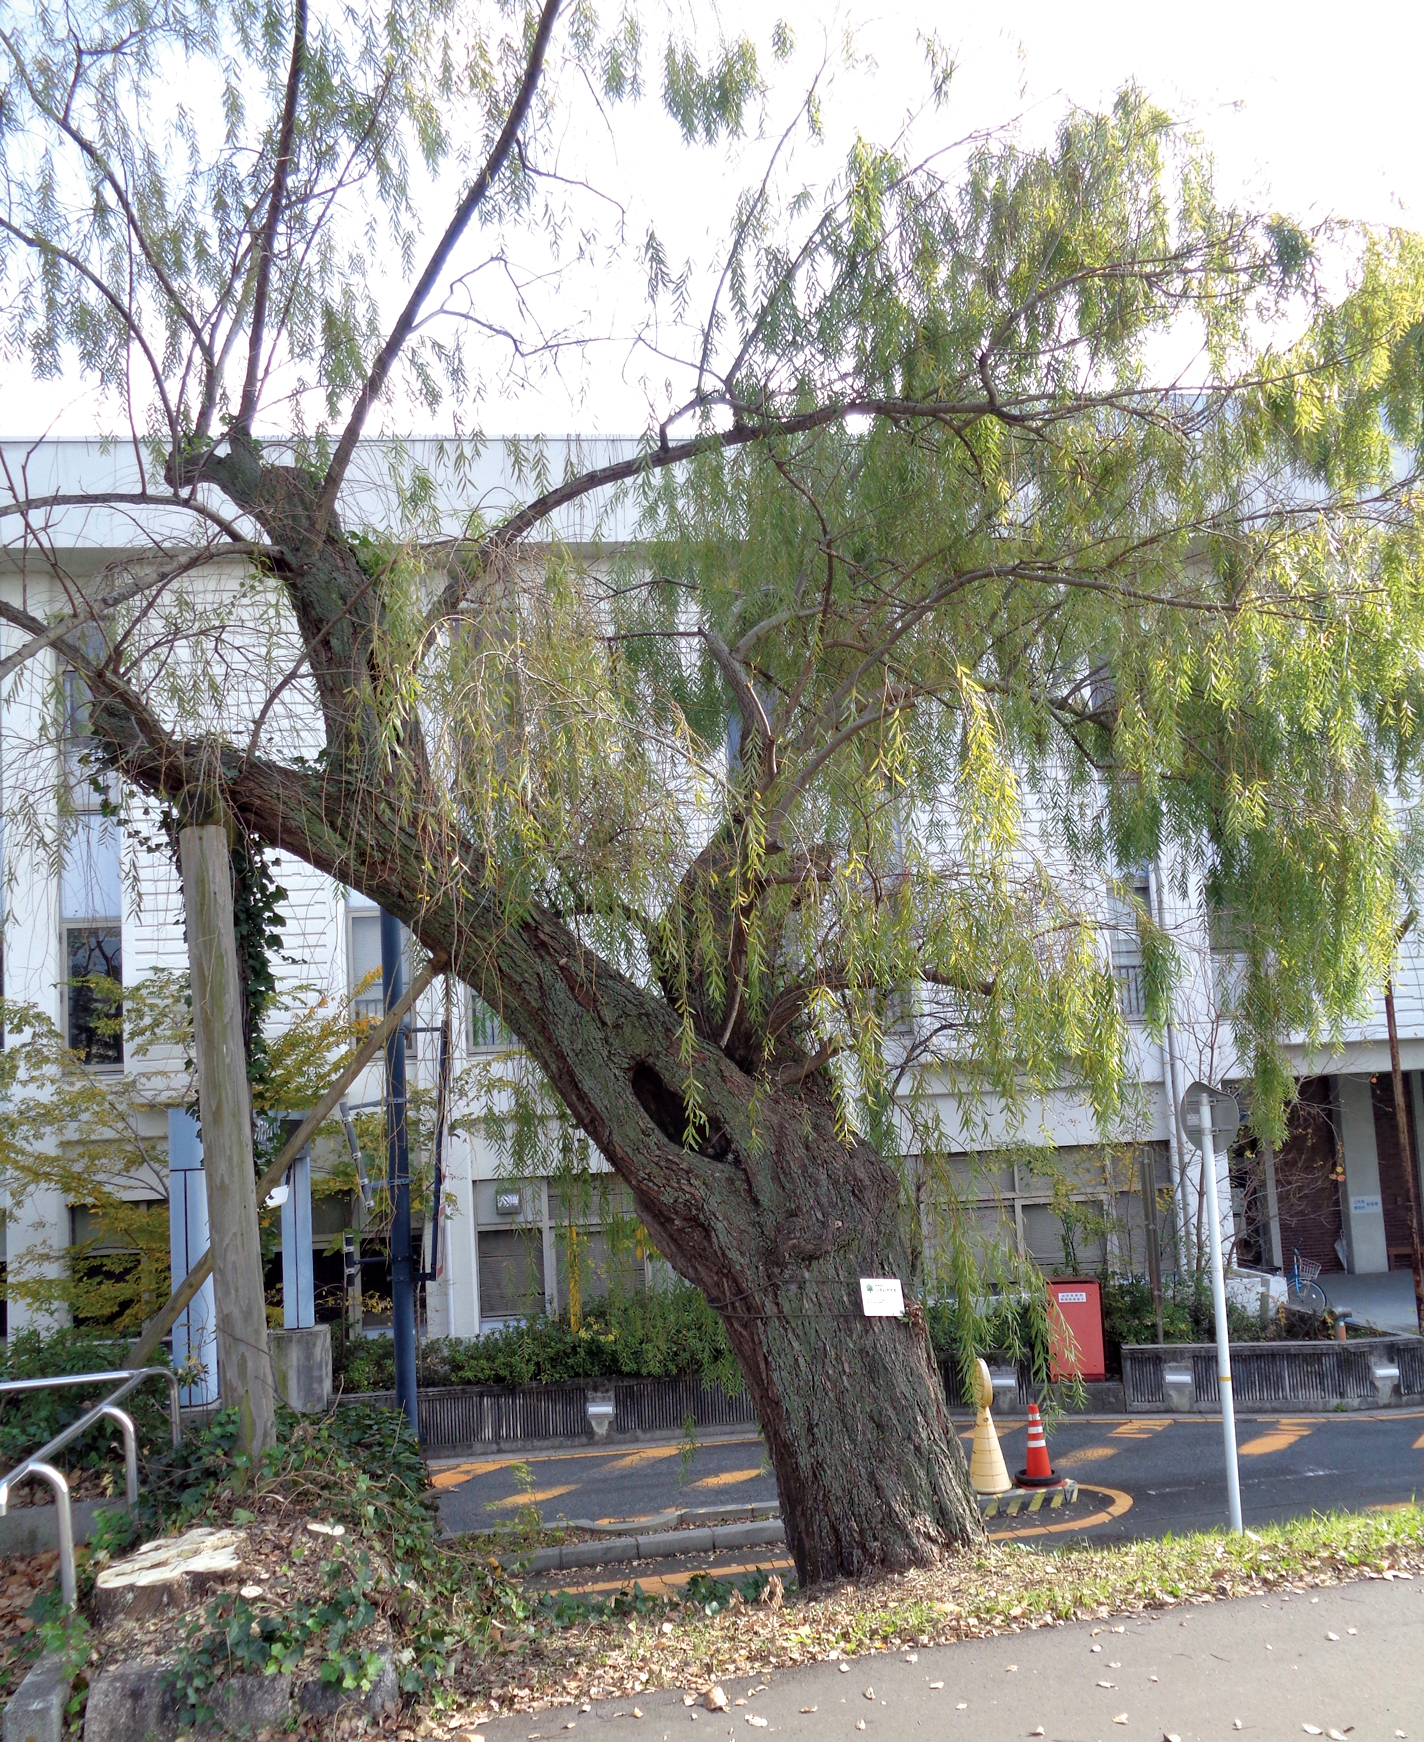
(766, 1209)
(225, 1111)
(776, 1220)
(868, 1468)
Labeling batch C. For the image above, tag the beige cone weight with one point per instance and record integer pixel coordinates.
(987, 1471)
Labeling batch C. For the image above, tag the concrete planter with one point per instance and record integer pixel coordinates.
(1365, 1373)
(456, 1418)
(499, 1417)
(27, 1530)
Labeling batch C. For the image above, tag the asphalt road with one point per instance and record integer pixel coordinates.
(1345, 1663)
(1147, 1475)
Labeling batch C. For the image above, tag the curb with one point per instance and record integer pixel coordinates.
(754, 1512)
(768, 1533)
(35, 1711)
(659, 1545)
(1028, 1500)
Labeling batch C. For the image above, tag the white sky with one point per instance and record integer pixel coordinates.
(1303, 116)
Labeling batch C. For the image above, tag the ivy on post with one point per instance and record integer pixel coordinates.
(225, 1106)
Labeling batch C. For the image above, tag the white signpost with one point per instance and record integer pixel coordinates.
(882, 1297)
(1211, 1117)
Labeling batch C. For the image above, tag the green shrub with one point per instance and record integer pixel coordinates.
(1188, 1316)
(653, 1334)
(1009, 1326)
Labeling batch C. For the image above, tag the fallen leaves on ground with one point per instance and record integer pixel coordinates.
(21, 1580)
(993, 1589)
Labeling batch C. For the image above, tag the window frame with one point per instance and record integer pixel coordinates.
(94, 928)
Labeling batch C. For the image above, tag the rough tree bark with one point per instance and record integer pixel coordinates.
(225, 1112)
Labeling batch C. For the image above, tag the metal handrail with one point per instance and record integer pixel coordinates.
(37, 1464)
(64, 1518)
(136, 1374)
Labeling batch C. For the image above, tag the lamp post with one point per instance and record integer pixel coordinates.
(1209, 1117)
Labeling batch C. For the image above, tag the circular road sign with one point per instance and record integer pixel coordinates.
(1225, 1115)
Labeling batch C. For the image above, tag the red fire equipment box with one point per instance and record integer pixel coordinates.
(1075, 1323)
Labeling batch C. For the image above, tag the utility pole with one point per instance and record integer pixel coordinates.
(1406, 1152)
(225, 1111)
(398, 1179)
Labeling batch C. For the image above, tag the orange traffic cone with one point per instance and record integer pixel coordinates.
(1039, 1473)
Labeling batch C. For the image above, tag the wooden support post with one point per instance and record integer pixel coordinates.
(225, 1114)
(162, 1322)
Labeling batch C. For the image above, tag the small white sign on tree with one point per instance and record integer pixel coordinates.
(882, 1297)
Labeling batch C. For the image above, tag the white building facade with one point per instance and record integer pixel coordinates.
(96, 892)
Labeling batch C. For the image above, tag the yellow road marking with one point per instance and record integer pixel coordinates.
(648, 1455)
(452, 1475)
(537, 1497)
(1119, 1502)
(1139, 1430)
(1286, 1434)
(728, 1478)
(1418, 1445)
(1088, 1454)
(601, 1452)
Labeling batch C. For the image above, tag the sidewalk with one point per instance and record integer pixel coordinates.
(1385, 1299)
(1345, 1661)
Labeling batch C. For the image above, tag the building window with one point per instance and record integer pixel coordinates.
(115, 1268)
(1125, 945)
(484, 1030)
(363, 956)
(90, 895)
(511, 1273)
(364, 959)
(94, 963)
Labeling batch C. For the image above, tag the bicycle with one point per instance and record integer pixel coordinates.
(1301, 1283)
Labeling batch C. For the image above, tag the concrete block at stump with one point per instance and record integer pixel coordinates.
(1179, 1387)
(326, 1699)
(35, 1711)
(168, 1574)
(301, 1362)
(601, 1410)
(136, 1702)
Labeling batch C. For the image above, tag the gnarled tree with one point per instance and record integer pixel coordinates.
(723, 808)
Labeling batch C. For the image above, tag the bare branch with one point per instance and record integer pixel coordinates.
(119, 191)
(381, 368)
(748, 703)
(268, 240)
(94, 609)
